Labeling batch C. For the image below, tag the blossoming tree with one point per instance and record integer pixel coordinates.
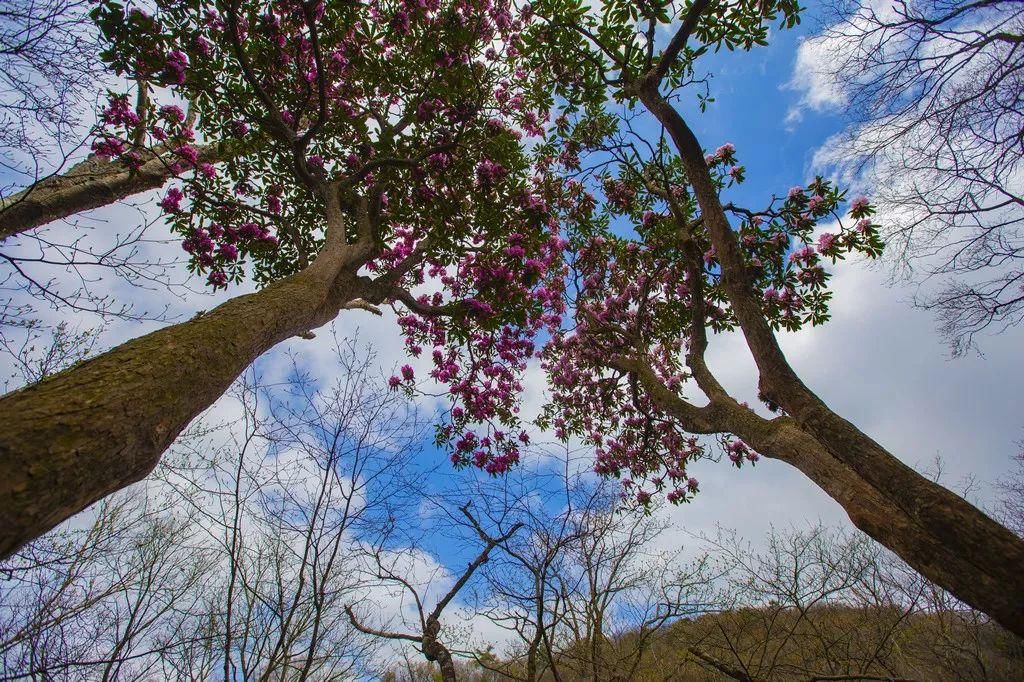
(375, 147)
(648, 298)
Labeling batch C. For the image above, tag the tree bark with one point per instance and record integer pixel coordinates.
(434, 650)
(80, 435)
(945, 538)
(90, 184)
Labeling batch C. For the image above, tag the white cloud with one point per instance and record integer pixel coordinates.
(818, 88)
(820, 75)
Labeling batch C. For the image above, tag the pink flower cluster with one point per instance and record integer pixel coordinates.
(592, 395)
(739, 452)
(175, 65)
(619, 194)
(490, 173)
(476, 355)
(122, 123)
(217, 246)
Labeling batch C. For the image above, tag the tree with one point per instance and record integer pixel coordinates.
(236, 560)
(110, 600)
(933, 93)
(428, 640)
(583, 590)
(48, 67)
(396, 160)
(644, 307)
(619, 591)
(95, 182)
(49, 74)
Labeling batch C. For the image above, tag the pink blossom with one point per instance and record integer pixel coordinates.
(172, 200)
(400, 22)
(802, 255)
(175, 64)
(109, 147)
(119, 112)
(858, 205)
(203, 46)
(228, 251)
(189, 153)
(173, 113)
(725, 151)
(489, 173)
(249, 230)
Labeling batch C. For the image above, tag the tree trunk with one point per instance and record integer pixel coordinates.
(880, 516)
(434, 650)
(447, 665)
(80, 435)
(946, 539)
(90, 184)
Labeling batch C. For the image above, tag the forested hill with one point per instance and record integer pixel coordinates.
(780, 643)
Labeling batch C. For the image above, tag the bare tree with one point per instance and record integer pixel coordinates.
(106, 601)
(313, 472)
(49, 65)
(619, 591)
(428, 640)
(584, 591)
(771, 614)
(40, 352)
(523, 595)
(237, 559)
(935, 92)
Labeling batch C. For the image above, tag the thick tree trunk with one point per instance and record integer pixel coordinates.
(988, 570)
(446, 663)
(77, 436)
(882, 517)
(435, 651)
(90, 184)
